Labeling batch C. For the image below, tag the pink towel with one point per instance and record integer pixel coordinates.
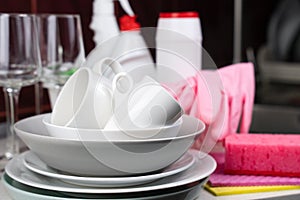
(222, 98)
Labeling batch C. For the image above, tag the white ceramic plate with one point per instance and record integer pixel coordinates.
(33, 163)
(19, 191)
(204, 165)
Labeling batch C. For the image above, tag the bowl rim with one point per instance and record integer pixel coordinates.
(47, 121)
(201, 126)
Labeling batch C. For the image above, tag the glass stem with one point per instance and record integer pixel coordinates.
(38, 91)
(11, 104)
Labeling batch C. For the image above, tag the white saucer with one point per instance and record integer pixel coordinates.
(32, 162)
(204, 165)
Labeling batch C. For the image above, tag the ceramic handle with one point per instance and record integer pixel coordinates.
(101, 66)
(122, 81)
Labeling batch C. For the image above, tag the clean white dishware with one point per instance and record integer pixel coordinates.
(85, 101)
(20, 65)
(204, 165)
(19, 191)
(107, 158)
(103, 134)
(62, 49)
(33, 163)
(146, 104)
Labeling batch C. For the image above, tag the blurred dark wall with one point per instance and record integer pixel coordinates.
(15, 6)
(256, 17)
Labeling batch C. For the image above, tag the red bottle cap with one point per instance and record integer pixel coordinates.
(179, 14)
(128, 23)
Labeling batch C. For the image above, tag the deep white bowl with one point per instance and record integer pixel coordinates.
(102, 134)
(107, 158)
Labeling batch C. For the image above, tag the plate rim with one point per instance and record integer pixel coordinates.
(47, 136)
(200, 158)
(118, 181)
(31, 191)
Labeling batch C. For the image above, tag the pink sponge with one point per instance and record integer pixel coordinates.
(263, 154)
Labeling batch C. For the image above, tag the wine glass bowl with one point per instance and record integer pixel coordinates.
(19, 52)
(62, 50)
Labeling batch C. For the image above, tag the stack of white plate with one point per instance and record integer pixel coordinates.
(29, 177)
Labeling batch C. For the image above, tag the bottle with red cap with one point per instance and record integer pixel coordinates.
(178, 45)
(131, 50)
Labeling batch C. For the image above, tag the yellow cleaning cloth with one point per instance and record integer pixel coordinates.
(220, 191)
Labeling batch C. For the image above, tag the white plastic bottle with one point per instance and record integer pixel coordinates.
(131, 50)
(104, 23)
(178, 45)
(126, 45)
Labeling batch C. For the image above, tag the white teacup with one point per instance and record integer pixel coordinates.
(85, 101)
(145, 105)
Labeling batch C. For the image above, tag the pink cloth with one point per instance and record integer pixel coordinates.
(222, 98)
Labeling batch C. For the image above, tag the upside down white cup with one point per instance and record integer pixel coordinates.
(145, 105)
(86, 99)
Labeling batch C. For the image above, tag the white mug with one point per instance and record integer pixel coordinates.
(145, 105)
(85, 101)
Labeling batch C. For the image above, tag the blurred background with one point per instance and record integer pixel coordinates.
(266, 33)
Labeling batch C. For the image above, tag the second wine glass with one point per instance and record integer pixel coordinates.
(62, 50)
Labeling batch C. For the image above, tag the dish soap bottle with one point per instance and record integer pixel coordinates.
(178, 45)
(104, 23)
(131, 50)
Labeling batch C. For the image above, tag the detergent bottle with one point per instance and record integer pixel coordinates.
(178, 44)
(124, 44)
(104, 23)
(131, 50)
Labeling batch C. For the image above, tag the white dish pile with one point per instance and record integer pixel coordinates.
(24, 184)
(134, 150)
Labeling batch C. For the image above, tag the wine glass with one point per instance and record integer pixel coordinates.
(20, 65)
(62, 50)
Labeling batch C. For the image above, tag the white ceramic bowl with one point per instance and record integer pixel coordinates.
(107, 158)
(103, 134)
